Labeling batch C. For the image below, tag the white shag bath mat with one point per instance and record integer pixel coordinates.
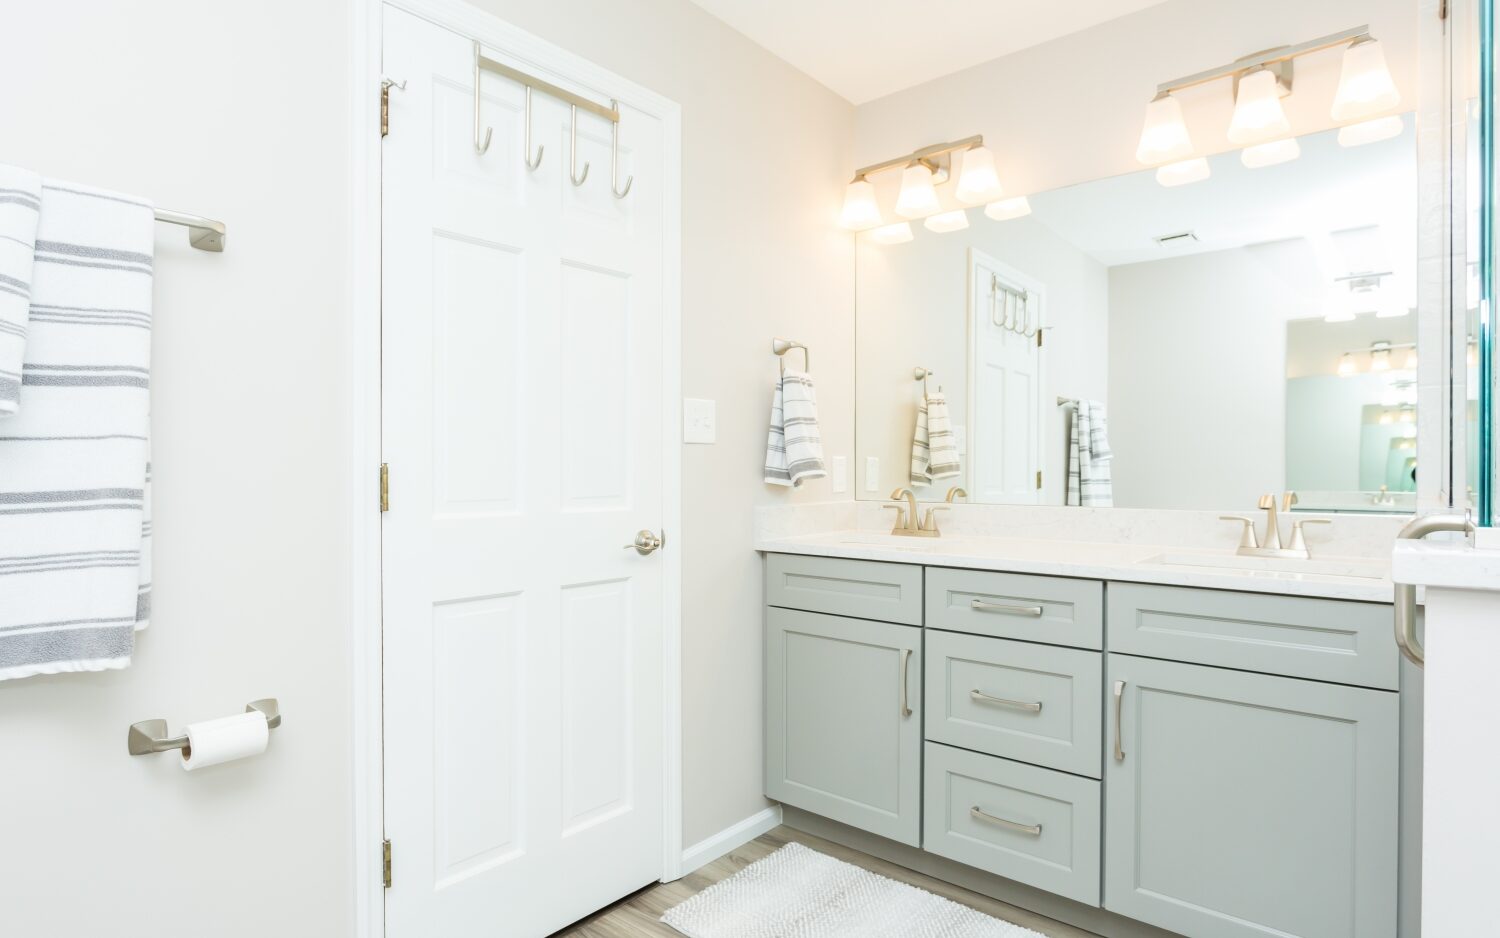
(797, 892)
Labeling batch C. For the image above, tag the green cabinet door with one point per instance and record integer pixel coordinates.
(843, 720)
(1241, 804)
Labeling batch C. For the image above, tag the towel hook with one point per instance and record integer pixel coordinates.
(573, 154)
(614, 156)
(782, 346)
(484, 144)
(922, 374)
(531, 164)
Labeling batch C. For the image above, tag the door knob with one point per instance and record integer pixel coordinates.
(646, 542)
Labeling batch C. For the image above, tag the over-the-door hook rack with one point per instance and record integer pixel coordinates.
(573, 152)
(782, 346)
(614, 158)
(922, 374)
(480, 144)
(531, 164)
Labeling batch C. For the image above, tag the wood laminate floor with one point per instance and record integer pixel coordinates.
(638, 915)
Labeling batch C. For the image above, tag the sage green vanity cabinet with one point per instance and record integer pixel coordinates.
(1241, 804)
(1051, 609)
(889, 592)
(843, 721)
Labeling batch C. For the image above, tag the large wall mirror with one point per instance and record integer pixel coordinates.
(1251, 332)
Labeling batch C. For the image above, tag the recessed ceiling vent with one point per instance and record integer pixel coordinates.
(1179, 240)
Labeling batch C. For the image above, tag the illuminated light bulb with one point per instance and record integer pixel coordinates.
(860, 211)
(1257, 110)
(899, 233)
(1381, 128)
(1365, 85)
(1269, 154)
(1387, 418)
(1347, 366)
(1180, 174)
(1380, 359)
(917, 196)
(1006, 209)
(947, 221)
(978, 182)
(1164, 137)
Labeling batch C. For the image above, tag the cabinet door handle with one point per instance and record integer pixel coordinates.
(978, 814)
(1119, 706)
(1033, 706)
(1005, 609)
(905, 667)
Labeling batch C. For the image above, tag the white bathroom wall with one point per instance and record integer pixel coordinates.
(913, 310)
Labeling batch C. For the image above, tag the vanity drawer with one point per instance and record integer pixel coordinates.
(1034, 703)
(1050, 609)
(1298, 636)
(864, 589)
(1032, 825)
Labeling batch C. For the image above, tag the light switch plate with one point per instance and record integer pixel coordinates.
(699, 421)
(872, 473)
(838, 475)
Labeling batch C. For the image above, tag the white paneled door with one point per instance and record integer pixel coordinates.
(1005, 405)
(522, 423)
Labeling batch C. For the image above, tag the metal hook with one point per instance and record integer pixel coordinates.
(573, 155)
(479, 145)
(614, 156)
(530, 163)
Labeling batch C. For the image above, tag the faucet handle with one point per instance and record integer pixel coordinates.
(1247, 533)
(929, 523)
(1298, 542)
(900, 516)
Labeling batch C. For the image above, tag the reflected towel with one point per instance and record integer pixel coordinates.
(794, 446)
(20, 202)
(934, 448)
(74, 523)
(1089, 456)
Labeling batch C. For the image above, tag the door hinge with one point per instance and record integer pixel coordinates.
(385, 863)
(386, 85)
(1039, 338)
(1039, 478)
(385, 487)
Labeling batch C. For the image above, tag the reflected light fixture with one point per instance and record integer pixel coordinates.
(1371, 131)
(1387, 418)
(917, 198)
(955, 220)
(1257, 109)
(1164, 136)
(977, 181)
(1411, 359)
(1269, 154)
(1365, 85)
(1182, 173)
(899, 233)
(1006, 209)
(1346, 365)
(1380, 356)
(860, 210)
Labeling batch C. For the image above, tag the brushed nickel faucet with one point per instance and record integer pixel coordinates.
(909, 522)
(1252, 545)
(956, 492)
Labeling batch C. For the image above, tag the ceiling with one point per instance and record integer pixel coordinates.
(870, 48)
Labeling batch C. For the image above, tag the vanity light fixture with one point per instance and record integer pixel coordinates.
(943, 222)
(1371, 131)
(1258, 116)
(977, 180)
(917, 197)
(1269, 154)
(860, 210)
(1365, 85)
(921, 172)
(1006, 209)
(1182, 173)
(899, 233)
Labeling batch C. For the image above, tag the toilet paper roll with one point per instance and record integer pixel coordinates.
(225, 739)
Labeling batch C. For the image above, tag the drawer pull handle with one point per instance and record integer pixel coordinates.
(1004, 609)
(1034, 830)
(979, 696)
(1119, 706)
(905, 668)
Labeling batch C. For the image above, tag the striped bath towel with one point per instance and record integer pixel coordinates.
(1089, 456)
(20, 200)
(74, 525)
(794, 448)
(934, 448)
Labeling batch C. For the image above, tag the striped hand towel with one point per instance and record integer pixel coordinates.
(934, 449)
(20, 200)
(74, 528)
(1089, 456)
(794, 447)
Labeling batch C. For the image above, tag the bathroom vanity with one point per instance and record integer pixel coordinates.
(1219, 759)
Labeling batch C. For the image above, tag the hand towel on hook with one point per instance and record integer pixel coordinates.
(1089, 455)
(20, 202)
(934, 449)
(794, 447)
(74, 478)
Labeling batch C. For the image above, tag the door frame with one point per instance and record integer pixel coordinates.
(364, 282)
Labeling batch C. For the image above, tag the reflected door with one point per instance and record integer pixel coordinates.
(1004, 384)
(522, 425)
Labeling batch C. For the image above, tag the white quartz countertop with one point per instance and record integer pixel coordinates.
(1331, 577)
(1451, 565)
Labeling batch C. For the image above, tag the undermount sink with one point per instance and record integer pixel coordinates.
(1343, 567)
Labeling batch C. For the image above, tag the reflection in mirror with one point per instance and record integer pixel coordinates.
(1251, 332)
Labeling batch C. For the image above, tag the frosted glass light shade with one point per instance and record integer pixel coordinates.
(1182, 173)
(977, 181)
(1371, 131)
(1269, 154)
(1164, 136)
(1380, 359)
(1411, 359)
(1006, 209)
(947, 221)
(1347, 366)
(1365, 85)
(917, 196)
(860, 211)
(899, 233)
(1257, 110)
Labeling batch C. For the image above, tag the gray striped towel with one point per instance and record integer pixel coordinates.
(934, 449)
(20, 200)
(1089, 456)
(75, 528)
(794, 447)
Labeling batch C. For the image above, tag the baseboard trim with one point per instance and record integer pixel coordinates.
(735, 835)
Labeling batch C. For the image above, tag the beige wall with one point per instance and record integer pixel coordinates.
(244, 117)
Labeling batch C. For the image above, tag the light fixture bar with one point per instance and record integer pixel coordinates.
(927, 156)
(1268, 57)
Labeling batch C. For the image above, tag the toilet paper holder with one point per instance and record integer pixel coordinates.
(150, 736)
